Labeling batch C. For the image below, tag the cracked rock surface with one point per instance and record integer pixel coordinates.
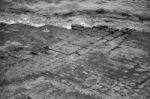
(78, 52)
(80, 63)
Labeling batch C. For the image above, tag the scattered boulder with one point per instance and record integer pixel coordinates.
(101, 27)
(77, 27)
(127, 30)
(2, 25)
(101, 11)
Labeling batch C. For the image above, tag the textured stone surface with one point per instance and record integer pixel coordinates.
(74, 49)
(47, 65)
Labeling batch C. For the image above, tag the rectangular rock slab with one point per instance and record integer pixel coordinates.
(64, 47)
(44, 59)
(82, 40)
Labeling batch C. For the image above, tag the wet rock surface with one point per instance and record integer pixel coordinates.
(50, 62)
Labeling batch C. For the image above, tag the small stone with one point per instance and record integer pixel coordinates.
(125, 90)
(129, 66)
(141, 86)
(137, 90)
(148, 74)
(46, 30)
(126, 71)
(132, 84)
(85, 72)
(144, 76)
(136, 74)
(125, 77)
(140, 70)
(116, 88)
